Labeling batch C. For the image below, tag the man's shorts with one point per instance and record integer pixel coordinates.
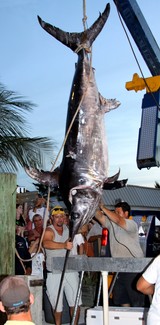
(124, 291)
(69, 287)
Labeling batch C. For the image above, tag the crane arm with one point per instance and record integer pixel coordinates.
(141, 33)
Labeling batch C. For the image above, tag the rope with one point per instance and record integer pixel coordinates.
(137, 59)
(73, 119)
(21, 260)
(84, 15)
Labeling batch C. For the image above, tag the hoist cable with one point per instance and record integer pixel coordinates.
(84, 15)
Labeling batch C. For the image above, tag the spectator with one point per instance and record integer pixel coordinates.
(149, 284)
(124, 242)
(15, 300)
(36, 251)
(22, 267)
(19, 219)
(94, 236)
(36, 233)
(39, 208)
(56, 242)
(88, 246)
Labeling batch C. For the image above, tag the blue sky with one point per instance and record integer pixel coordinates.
(41, 69)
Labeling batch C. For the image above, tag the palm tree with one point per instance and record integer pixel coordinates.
(16, 147)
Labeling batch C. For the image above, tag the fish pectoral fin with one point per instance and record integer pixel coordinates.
(46, 178)
(108, 104)
(115, 185)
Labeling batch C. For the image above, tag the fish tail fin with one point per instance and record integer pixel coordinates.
(78, 40)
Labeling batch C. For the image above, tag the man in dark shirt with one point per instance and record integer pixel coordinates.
(22, 267)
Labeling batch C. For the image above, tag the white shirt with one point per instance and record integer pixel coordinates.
(77, 241)
(96, 230)
(152, 275)
(40, 211)
(37, 265)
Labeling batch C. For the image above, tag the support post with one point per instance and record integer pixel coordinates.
(105, 298)
(7, 223)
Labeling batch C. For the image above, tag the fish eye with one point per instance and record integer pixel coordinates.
(75, 216)
(81, 181)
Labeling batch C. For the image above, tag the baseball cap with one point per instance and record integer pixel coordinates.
(57, 210)
(14, 291)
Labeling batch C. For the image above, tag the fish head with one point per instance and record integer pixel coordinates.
(84, 204)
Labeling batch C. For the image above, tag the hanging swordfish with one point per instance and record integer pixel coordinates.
(84, 168)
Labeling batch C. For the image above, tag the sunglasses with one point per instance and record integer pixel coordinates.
(58, 209)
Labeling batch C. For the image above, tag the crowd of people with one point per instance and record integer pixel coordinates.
(36, 247)
(30, 232)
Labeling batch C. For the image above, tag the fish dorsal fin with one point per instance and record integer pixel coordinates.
(112, 183)
(113, 178)
(115, 185)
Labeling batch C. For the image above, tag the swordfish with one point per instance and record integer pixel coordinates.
(84, 168)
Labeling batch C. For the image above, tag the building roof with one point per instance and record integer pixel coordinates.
(139, 198)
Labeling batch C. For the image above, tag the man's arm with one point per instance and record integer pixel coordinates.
(113, 216)
(32, 235)
(81, 249)
(144, 286)
(49, 243)
(100, 217)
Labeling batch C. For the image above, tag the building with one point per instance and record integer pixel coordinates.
(145, 209)
(143, 200)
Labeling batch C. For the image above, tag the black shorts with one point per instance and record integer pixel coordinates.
(124, 291)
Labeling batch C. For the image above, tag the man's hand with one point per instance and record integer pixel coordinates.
(100, 217)
(68, 245)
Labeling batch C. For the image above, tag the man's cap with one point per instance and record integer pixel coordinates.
(57, 210)
(14, 291)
